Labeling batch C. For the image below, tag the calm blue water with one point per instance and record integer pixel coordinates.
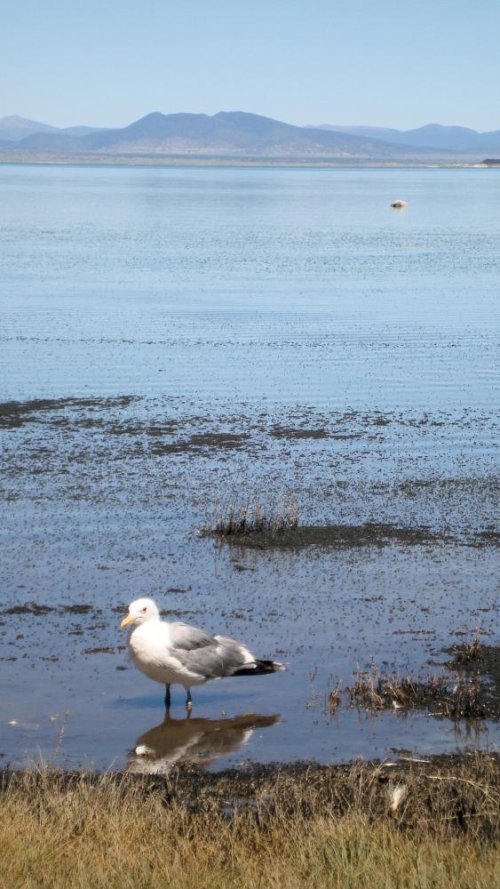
(279, 284)
(179, 337)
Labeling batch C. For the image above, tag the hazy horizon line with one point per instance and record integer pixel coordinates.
(36, 118)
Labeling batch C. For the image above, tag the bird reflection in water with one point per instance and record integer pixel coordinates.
(193, 741)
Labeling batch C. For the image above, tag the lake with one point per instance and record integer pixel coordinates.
(177, 342)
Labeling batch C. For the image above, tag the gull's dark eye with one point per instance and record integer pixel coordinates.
(143, 610)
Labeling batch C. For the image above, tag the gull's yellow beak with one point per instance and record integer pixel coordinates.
(129, 619)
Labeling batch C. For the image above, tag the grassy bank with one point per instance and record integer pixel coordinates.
(414, 824)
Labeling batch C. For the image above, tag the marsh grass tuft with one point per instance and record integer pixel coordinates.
(468, 653)
(334, 698)
(376, 824)
(252, 517)
(460, 698)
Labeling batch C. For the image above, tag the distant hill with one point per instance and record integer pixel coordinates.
(229, 134)
(79, 131)
(239, 136)
(15, 128)
(433, 135)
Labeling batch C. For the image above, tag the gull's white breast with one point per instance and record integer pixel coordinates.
(151, 650)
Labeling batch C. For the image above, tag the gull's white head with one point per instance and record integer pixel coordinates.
(139, 612)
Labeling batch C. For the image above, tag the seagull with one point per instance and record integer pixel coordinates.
(176, 652)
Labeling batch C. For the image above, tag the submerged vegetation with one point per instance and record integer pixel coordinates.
(434, 823)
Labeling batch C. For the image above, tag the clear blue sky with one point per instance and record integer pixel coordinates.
(401, 63)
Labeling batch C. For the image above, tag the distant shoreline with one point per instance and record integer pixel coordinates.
(221, 161)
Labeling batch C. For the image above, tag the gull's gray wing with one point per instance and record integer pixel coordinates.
(189, 638)
(209, 656)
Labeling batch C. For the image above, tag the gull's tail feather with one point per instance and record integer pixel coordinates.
(257, 667)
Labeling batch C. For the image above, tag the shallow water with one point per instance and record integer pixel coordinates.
(172, 341)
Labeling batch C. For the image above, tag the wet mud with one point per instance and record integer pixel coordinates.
(476, 658)
(197, 444)
(479, 664)
(290, 433)
(369, 534)
(14, 414)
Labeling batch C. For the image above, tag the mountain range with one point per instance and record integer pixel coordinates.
(433, 135)
(240, 136)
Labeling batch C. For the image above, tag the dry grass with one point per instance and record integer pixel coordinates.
(362, 825)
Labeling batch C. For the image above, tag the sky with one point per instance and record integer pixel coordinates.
(392, 63)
